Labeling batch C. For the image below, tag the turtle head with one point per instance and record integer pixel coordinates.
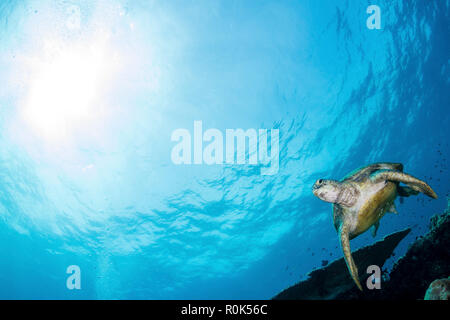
(327, 190)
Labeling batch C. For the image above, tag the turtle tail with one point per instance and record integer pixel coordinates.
(345, 244)
(412, 182)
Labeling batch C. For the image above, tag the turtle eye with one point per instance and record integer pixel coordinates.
(320, 181)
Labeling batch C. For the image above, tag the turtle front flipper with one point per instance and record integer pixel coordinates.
(406, 191)
(412, 182)
(345, 244)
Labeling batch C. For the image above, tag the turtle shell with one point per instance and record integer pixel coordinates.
(363, 173)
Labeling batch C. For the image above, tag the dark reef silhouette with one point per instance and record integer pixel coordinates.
(427, 259)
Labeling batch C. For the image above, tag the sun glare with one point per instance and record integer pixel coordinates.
(64, 89)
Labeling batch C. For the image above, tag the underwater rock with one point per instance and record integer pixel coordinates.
(334, 280)
(439, 290)
(426, 260)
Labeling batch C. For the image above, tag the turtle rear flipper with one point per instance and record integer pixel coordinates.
(345, 244)
(375, 228)
(414, 183)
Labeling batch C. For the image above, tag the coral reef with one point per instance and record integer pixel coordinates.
(427, 259)
(334, 280)
(439, 290)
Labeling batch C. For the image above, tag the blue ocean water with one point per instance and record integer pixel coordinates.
(92, 91)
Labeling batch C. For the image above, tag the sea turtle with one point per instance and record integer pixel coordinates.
(362, 198)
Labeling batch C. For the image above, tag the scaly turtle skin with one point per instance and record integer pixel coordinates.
(362, 198)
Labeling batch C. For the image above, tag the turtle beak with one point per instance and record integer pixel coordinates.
(315, 189)
(314, 192)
